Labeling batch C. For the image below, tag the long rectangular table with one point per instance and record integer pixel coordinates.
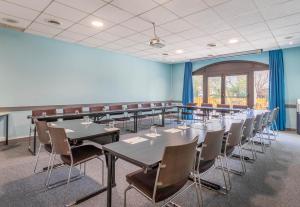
(92, 132)
(5, 115)
(95, 115)
(148, 154)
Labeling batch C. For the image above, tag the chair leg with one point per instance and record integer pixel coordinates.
(102, 166)
(199, 194)
(254, 155)
(37, 158)
(227, 169)
(125, 195)
(68, 183)
(51, 169)
(223, 173)
(243, 164)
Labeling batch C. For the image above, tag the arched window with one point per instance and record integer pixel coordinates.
(233, 83)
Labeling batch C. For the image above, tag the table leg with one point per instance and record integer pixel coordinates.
(163, 117)
(109, 179)
(33, 151)
(135, 117)
(6, 133)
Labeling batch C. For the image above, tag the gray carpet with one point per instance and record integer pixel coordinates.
(273, 180)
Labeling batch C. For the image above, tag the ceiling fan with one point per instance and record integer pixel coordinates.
(156, 42)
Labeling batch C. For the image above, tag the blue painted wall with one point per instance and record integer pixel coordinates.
(40, 71)
(292, 76)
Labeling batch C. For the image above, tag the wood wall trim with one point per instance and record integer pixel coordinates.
(293, 106)
(30, 108)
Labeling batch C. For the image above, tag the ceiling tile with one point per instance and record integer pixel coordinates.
(162, 1)
(44, 28)
(89, 19)
(85, 30)
(204, 18)
(135, 6)
(253, 29)
(286, 30)
(215, 28)
(44, 18)
(88, 44)
(113, 14)
(72, 36)
(235, 8)
(120, 31)
(138, 38)
(112, 46)
(247, 19)
(65, 39)
(159, 31)
(159, 15)
(192, 33)
(176, 26)
(94, 41)
(38, 5)
(141, 46)
(214, 2)
(106, 36)
(280, 10)
(124, 42)
(22, 23)
(172, 39)
(65, 12)
(226, 35)
(17, 11)
(284, 21)
(183, 8)
(137, 24)
(88, 6)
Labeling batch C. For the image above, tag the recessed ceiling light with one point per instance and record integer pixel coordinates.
(97, 24)
(291, 42)
(211, 45)
(233, 41)
(179, 51)
(165, 54)
(53, 21)
(9, 20)
(289, 37)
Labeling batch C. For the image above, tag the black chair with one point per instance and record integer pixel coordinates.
(172, 174)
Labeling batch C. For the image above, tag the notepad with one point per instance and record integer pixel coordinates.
(152, 135)
(68, 130)
(172, 131)
(183, 127)
(111, 129)
(135, 140)
(86, 122)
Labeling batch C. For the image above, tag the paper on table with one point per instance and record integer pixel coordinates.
(135, 140)
(111, 129)
(173, 130)
(86, 123)
(183, 127)
(152, 135)
(68, 130)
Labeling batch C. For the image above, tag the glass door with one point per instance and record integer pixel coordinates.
(214, 90)
(236, 92)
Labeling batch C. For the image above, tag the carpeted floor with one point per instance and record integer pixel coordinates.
(273, 180)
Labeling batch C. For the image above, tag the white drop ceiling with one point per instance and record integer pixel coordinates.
(188, 25)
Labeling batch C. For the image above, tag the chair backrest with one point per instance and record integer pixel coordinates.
(276, 113)
(258, 123)
(146, 105)
(158, 104)
(72, 110)
(59, 141)
(42, 130)
(46, 111)
(132, 106)
(240, 106)
(206, 105)
(177, 164)
(115, 107)
(265, 118)
(212, 145)
(248, 128)
(191, 104)
(168, 104)
(96, 108)
(223, 105)
(235, 134)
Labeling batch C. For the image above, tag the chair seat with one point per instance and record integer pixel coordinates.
(104, 121)
(82, 154)
(205, 165)
(146, 182)
(122, 119)
(48, 148)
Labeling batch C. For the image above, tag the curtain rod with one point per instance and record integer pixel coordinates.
(258, 51)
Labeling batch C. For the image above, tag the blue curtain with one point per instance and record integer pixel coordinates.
(276, 89)
(187, 94)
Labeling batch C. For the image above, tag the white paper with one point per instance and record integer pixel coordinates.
(68, 130)
(111, 129)
(86, 123)
(183, 127)
(173, 130)
(152, 135)
(135, 140)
